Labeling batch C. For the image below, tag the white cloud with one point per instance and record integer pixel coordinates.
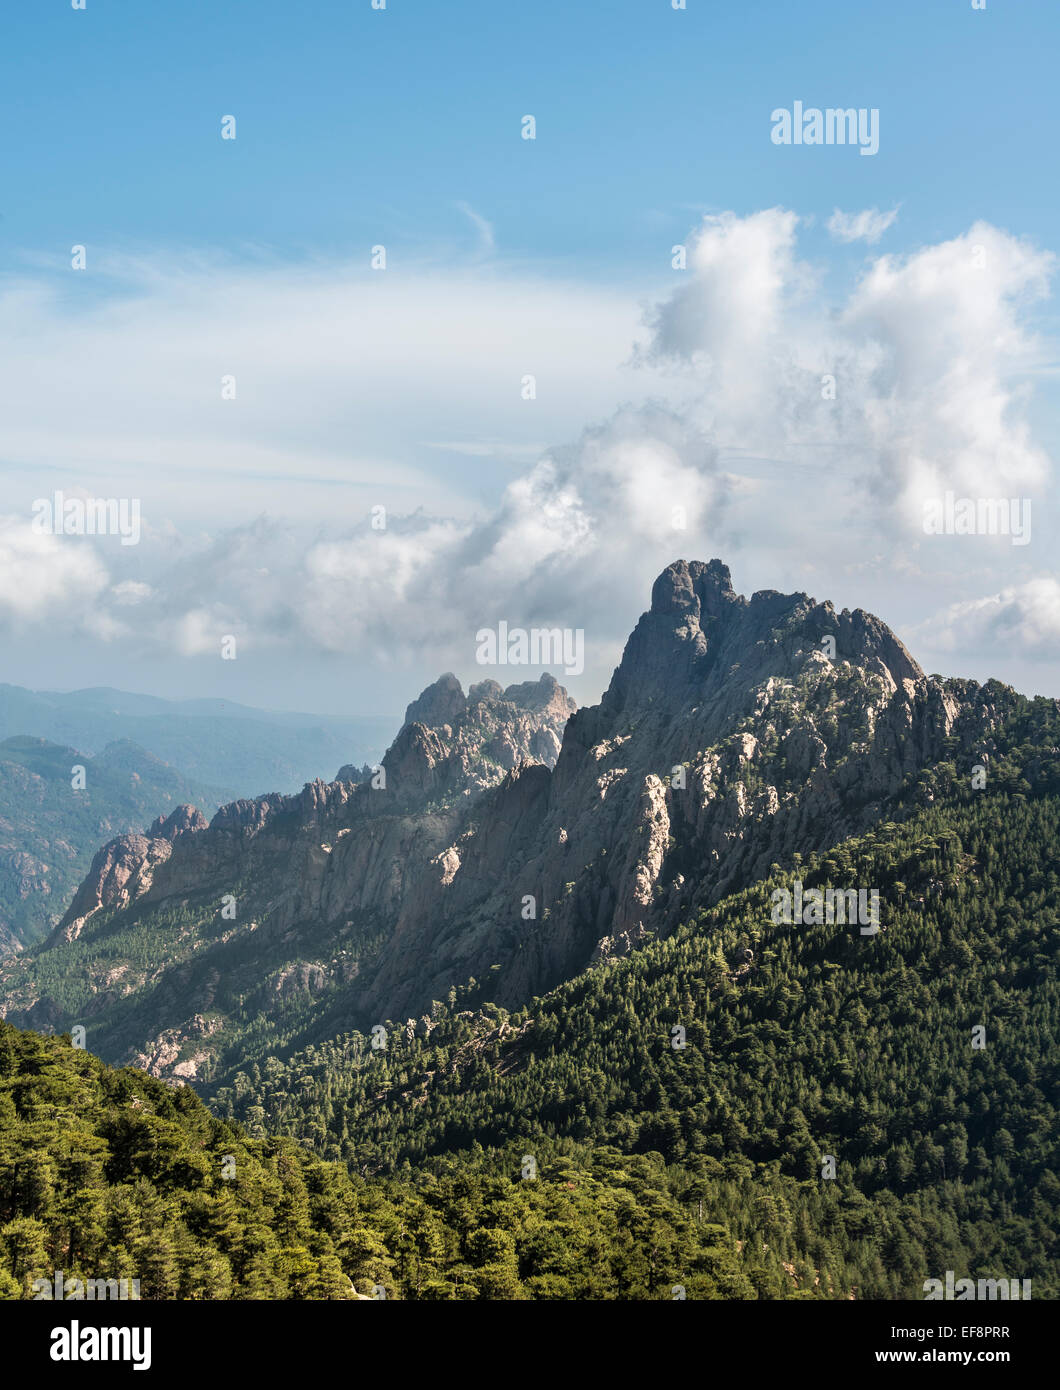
(1022, 620)
(42, 576)
(130, 592)
(868, 225)
(114, 380)
(929, 360)
(726, 321)
(256, 510)
(942, 342)
(584, 525)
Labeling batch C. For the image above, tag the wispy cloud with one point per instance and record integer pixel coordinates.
(868, 225)
(487, 244)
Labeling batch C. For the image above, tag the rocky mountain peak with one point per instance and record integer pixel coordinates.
(183, 818)
(672, 646)
(452, 744)
(733, 731)
(441, 703)
(543, 696)
(702, 587)
(701, 642)
(444, 701)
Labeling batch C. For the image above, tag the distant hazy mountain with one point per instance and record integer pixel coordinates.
(219, 742)
(49, 831)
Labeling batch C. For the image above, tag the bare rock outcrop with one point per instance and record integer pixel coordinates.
(734, 731)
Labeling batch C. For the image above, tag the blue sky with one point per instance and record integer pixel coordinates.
(506, 257)
(359, 125)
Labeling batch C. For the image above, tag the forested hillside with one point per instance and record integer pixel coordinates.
(111, 1174)
(800, 1042)
(726, 1103)
(49, 830)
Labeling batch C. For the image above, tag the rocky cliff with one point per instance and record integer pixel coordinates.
(449, 748)
(734, 733)
(279, 899)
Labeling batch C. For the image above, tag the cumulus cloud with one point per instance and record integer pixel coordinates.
(920, 376)
(1023, 619)
(868, 225)
(130, 592)
(942, 353)
(42, 575)
(727, 323)
(916, 381)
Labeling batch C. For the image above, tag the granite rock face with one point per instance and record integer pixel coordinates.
(734, 732)
(454, 745)
(450, 748)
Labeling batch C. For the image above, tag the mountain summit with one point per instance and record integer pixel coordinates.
(734, 732)
(700, 638)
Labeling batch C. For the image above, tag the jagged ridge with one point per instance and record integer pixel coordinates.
(729, 738)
